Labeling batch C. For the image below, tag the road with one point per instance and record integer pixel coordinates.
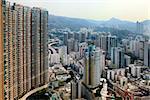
(33, 91)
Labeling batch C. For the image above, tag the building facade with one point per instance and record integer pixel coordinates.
(139, 27)
(117, 57)
(23, 55)
(147, 54)
(94, 65)
(1, 51)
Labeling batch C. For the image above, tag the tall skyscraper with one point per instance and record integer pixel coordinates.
(65, 38)
(44, 46)
(112, 42)
(19, 49)
(139, 45)
(23, 53)
(139, 27)
(7, 51)
(127, 60)
(1, 51)
(63, 54)
(94, 64)
(82, 48)
(77, 36)
(70, 35)
(83, 37)
(70, 45)
(27, 45)
(106, 42)
(76, 46)
(75, 89)
(147, 54)
(39, 46)
(117, 57)
(103, 42)
(136, 47)
(35, 47)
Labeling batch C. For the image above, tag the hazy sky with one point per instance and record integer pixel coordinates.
(132, 10)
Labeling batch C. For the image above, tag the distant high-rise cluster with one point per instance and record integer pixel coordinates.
(23, 49)
(139, 27)
(106, 42)
(100, 62)
(140, 48)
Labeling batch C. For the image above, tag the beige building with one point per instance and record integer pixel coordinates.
(23, 50)
(1, 54)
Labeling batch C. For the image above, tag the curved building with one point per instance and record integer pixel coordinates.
(23, 50)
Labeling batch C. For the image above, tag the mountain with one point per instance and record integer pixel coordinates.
(76, 23)
(72, 23)
(120, 24)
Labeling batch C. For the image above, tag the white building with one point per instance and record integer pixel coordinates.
(63, 54)
(117, 57)
(53, 56)
(135, 70)
(127, 60)
(136, 47)
(82, 48)
(147, 54)
(94, 64)
(113, 74)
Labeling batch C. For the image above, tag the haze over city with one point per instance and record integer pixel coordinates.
(131, 10)
(74, 50)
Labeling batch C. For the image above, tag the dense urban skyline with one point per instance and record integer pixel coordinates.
(132, 10)
(48, 57)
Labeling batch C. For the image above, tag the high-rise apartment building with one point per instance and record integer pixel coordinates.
(83, 36)
(106, 42)
(117, 57)
(147, 54)
(94, 64)
(63, 54)
(27, 46)
(44, 46)
(70, 45)
(136, 47)
(139, 27)
(35, 59)
(1, 51)
(77, 36)
(70, 35)
(76, 89)
(23, 53)
(15, 52)
(39, 53)
(82, 48)
(112, 42)
(65, 38)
